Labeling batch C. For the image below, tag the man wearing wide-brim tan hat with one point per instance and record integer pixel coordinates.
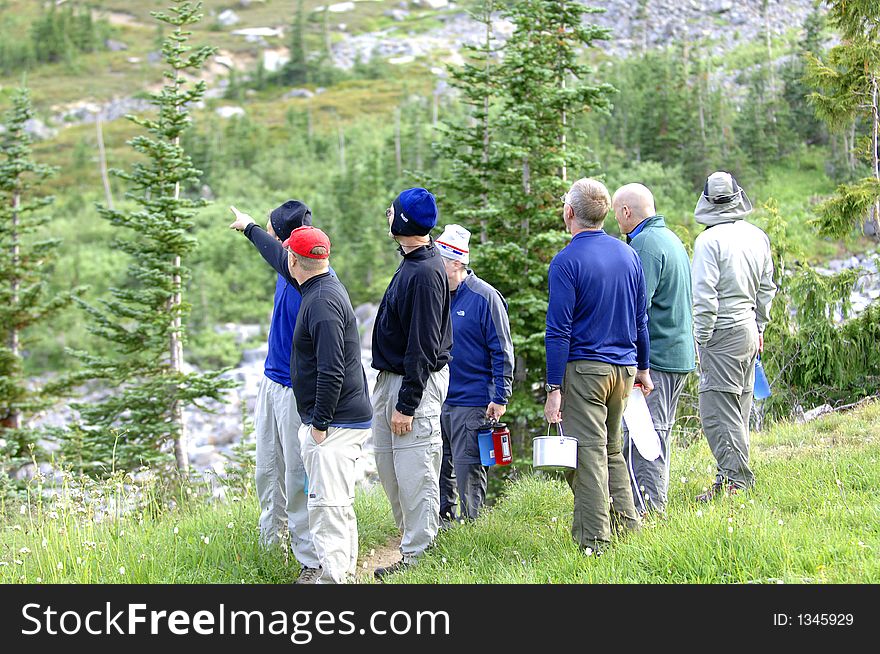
(732, 279)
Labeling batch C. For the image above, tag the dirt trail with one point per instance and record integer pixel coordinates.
(382, 556)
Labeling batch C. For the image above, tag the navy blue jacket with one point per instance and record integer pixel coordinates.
(412, 336)
(598, 305)
(481, 370)
(328, 379)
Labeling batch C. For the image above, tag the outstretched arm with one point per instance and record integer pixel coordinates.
(268, 247)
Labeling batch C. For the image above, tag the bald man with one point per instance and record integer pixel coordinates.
(670, 327)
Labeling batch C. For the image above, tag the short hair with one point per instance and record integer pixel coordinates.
(313, 265)
(590, 201)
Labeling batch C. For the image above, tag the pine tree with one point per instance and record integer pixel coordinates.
(145, 317)
(296, 70)
(26, 251)
(466, 142)
(847, 90)
(543, 87)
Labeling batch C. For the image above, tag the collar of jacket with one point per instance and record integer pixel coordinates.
(311, 281)
(421, 252)
(657, 220)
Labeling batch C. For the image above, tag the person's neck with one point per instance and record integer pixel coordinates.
(457, 278)
(581, 230)
(302, 277)
(410, 243)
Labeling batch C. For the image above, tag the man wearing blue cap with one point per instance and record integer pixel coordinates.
(412, 340)
(280, 474)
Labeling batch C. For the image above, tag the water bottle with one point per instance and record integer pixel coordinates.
(762, 386)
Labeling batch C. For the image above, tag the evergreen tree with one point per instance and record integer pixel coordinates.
(466, 142)
(542, 86)
(25, 254)
(804, 123)
(144, 318)
(296, 70)
(846, 90)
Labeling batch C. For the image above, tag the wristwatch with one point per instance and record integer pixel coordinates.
(552, 387)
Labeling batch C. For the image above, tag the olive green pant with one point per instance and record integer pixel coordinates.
(727, 379)
(594, 398)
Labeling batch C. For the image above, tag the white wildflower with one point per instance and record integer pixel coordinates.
(18, 562)
(16, 527)
(699, 513)
(24, 550)
(39, 580)
(230, 525)
(122, 570)
(45, 543)
(781, 522)
(176, 531)
(22, 509)
(730, 520)
(3, 564)
(60, 566)
(207, 540)
(730, 530)
(684, 480)
(443, 560)
(554, 519)
(588, 551)
(79, 560)
(861, 544)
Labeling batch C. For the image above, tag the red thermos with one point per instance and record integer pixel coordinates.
(501, 442)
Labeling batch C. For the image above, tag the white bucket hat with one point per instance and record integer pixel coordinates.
(722, 200)
(453, 243)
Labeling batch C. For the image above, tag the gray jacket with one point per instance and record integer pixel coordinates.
(732, 276)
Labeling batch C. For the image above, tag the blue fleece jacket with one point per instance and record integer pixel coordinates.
(284, 311)
(481, 370)
(598, 308)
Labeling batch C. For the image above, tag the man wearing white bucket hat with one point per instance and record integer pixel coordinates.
(733, 288)
(480, 375)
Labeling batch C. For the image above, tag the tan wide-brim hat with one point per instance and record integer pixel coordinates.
(722, 200)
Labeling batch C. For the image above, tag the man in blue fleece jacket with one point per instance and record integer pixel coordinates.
(280, 474)
(597, 336)
(480, 375)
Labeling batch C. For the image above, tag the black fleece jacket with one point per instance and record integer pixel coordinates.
(412, 335)
(329, 382)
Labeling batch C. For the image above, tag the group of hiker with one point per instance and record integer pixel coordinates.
(618, 314)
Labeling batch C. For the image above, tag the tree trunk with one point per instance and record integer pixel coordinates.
(341, 148)
(102, 162)
(14, 419)
(484, 158)
(875, 118)
(397, 158)
(176, 342)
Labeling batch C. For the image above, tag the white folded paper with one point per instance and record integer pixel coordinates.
(641, 427)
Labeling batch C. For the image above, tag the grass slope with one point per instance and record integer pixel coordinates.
(813, 517)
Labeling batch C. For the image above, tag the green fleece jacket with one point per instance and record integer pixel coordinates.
(668, 285)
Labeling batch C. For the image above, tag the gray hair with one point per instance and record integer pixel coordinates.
(313, 265)
(590, 201)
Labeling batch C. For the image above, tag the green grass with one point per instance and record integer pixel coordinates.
(202, 541)
(813, 517)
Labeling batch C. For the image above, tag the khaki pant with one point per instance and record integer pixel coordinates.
(650, 479)
(409, 465)
(332, 522)
(727, 379)
(594, 398)
(280, 475)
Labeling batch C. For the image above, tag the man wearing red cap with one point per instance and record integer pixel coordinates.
(332, 398)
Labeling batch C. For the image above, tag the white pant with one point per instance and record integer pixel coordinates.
(409, 465)
(280, 475)
(332, 522)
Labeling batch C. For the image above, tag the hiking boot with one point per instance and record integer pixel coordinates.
(308, 575)
(714, 490)
(400, 566)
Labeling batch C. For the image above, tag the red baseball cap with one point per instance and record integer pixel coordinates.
(303, 239)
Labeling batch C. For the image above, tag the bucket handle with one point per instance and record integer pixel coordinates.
(558, 429)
